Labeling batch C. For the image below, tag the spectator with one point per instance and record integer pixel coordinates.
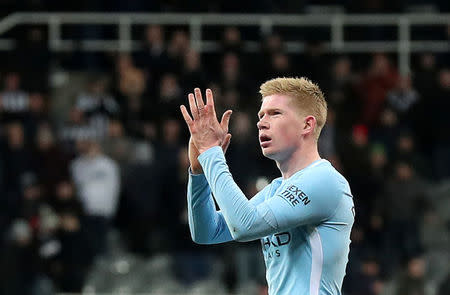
(141, 209)
(424, 77)
(406, 150)
(18, 158)
(193, 75)
(327, 140)
(273, 43)
(32, 201)
(193, 264)
(379, 171)
(230, 99)
(387, 131)
(48, 247)
(367, 281)
(412, 282)
(75, 256)
(232, 76)
(117, 144)
(134, 103)
(342, 97)
(281, 66)
(14, 101)
(441, 140)
(97, 106)
(231, 41)
(379, 79)
(36, 115)
(230, 72)
(241, 154)
(97, 179)
(50, 161)
(75, 131)
(270, 45)
(153, 58)
(170, 144)
(313, 63)
(373, 188)
(355, 158)
(402, 98)
(33, 57)
(425, 80)
(170, 96)
(18, 263)
(65, 200)
(176, 51)
(403, 192)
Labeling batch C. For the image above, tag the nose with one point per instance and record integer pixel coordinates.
(262, 124)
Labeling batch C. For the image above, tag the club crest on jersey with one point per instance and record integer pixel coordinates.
(294, 196)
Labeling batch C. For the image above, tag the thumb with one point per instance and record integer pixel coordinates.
(225, 120)
(226, 143)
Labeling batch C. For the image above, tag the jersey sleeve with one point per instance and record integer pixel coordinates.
(207, 226)
(305, 201)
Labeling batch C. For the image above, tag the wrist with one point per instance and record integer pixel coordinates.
(202, 150)
(196, 169)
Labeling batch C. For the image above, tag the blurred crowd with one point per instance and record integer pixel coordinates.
(116, 158)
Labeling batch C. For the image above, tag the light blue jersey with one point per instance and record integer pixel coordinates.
(303, 222)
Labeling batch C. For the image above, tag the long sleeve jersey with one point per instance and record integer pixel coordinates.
(303, 222)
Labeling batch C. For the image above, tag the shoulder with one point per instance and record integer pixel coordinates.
(319, 171)
(77, 162)
(106, 161)
(321, 180)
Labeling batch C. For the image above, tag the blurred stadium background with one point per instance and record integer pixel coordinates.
(93, 161)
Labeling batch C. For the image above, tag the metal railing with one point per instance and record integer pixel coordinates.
(403, 46)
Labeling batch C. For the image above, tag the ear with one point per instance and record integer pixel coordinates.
(309, 125)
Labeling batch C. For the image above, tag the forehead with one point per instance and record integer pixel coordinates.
(278, 101)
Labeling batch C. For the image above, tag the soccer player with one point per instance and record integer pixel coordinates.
(302, 218)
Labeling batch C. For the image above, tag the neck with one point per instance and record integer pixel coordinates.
(299, 160)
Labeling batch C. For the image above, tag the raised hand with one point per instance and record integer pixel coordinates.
(193, 153)
(205, 129)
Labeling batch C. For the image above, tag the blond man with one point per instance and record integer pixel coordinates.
(302, 218)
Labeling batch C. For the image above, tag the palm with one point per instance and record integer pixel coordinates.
(205, 130)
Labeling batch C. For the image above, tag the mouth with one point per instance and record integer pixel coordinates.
(264, 140)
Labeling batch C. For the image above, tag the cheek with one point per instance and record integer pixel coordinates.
(288, 133)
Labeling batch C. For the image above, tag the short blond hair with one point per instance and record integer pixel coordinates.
(306, 95)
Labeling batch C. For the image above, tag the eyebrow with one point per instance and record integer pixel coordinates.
(269, 110)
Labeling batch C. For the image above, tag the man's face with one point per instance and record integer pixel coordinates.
(279, 126)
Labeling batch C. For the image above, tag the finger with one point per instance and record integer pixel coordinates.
(199, 99)
(193, 106)
(186, 116)
(226, 143)
(210, 101)
(225, 120)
